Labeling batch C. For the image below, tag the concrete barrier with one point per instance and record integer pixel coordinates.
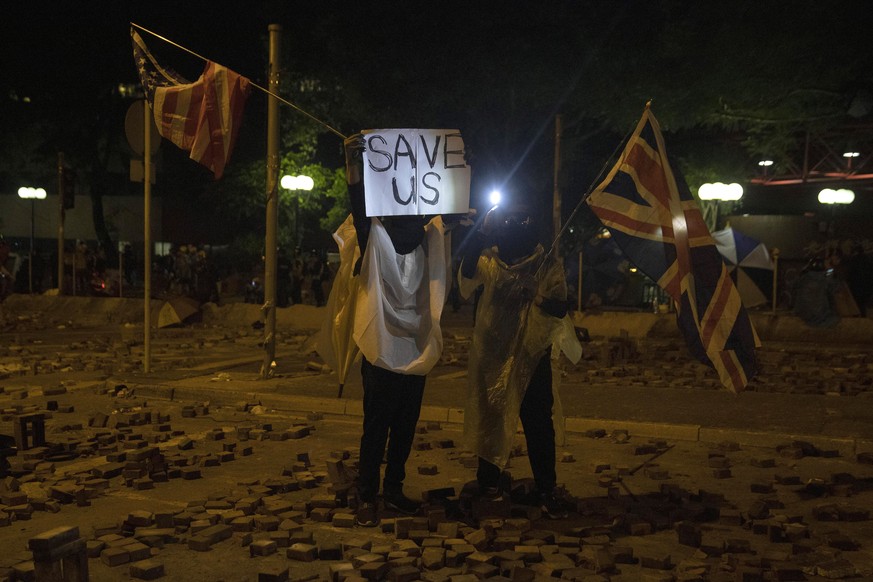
(93, 311)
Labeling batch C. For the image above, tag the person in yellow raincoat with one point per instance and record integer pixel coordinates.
(521, 314)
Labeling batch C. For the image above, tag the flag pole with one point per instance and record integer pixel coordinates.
(147, 235)
(272, 226)
(61, 216)
(594, 184)
(556, 194)
(272, 91)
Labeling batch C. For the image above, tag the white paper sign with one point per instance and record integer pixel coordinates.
(415, 171)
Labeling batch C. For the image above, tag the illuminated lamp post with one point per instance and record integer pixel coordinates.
(834, 198)
(293, 184)
(841, 196)
(32, 194)
(849, 157)
(715, 193)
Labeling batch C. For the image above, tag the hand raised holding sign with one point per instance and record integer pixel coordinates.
(354, 146)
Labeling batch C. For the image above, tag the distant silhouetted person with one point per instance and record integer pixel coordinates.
(316, 269)
(814, 296)
(283, 279)
(859, 277)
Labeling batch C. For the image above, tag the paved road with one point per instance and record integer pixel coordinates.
(703, 425)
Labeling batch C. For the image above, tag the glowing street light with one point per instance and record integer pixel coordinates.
(841, 196)
(296, 183)
(32, 194)
(835, 198)
(851, 155)
(714, 194)
(495, 197)
(721, 192)
(28, 193)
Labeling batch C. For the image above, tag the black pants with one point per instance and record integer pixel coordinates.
(539, 432)
(392, 403)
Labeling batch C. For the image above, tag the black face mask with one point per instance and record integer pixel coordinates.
(406, 232)
(516, 240)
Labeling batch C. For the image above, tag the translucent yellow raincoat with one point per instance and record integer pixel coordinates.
(510, 337)
(335, 344)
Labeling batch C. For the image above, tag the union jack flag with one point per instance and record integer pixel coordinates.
(651, 214)
(202, 117)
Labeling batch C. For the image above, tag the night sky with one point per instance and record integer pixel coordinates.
(498, 70)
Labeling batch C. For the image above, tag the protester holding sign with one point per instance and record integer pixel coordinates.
(521, 314)
(403, 273)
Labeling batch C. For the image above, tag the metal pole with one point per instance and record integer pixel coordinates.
(61, 216)
(121, 274)
(556, 197)
(147, 235)
(579, 284)
(30, 260)
(775, 277)
(272, 225)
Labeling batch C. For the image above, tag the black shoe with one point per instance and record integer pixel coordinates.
(552, 506)
(397, 501)
(367, 515)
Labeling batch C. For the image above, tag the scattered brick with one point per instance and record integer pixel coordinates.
(114, 556)
(302, 552)
(146, 570)
(262, 548)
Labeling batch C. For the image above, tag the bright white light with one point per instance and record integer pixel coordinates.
(37, 193)
(297, 182)
(305, 182)
(720, 191)
(851, 154)
(765, 163)
(495, 197)
(841, 196)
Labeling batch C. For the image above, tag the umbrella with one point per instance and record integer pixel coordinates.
(335, 343)
(749, 264)
(176, 310)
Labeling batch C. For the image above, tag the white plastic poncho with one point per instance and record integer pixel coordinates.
(510, 337)
(398, 301)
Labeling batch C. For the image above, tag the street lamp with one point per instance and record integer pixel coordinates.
(32, 194)
(841, 196)
(721, 192)
(714, 194)
(850, 155)
(834, 198)
(294, 183)
(297, 182)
